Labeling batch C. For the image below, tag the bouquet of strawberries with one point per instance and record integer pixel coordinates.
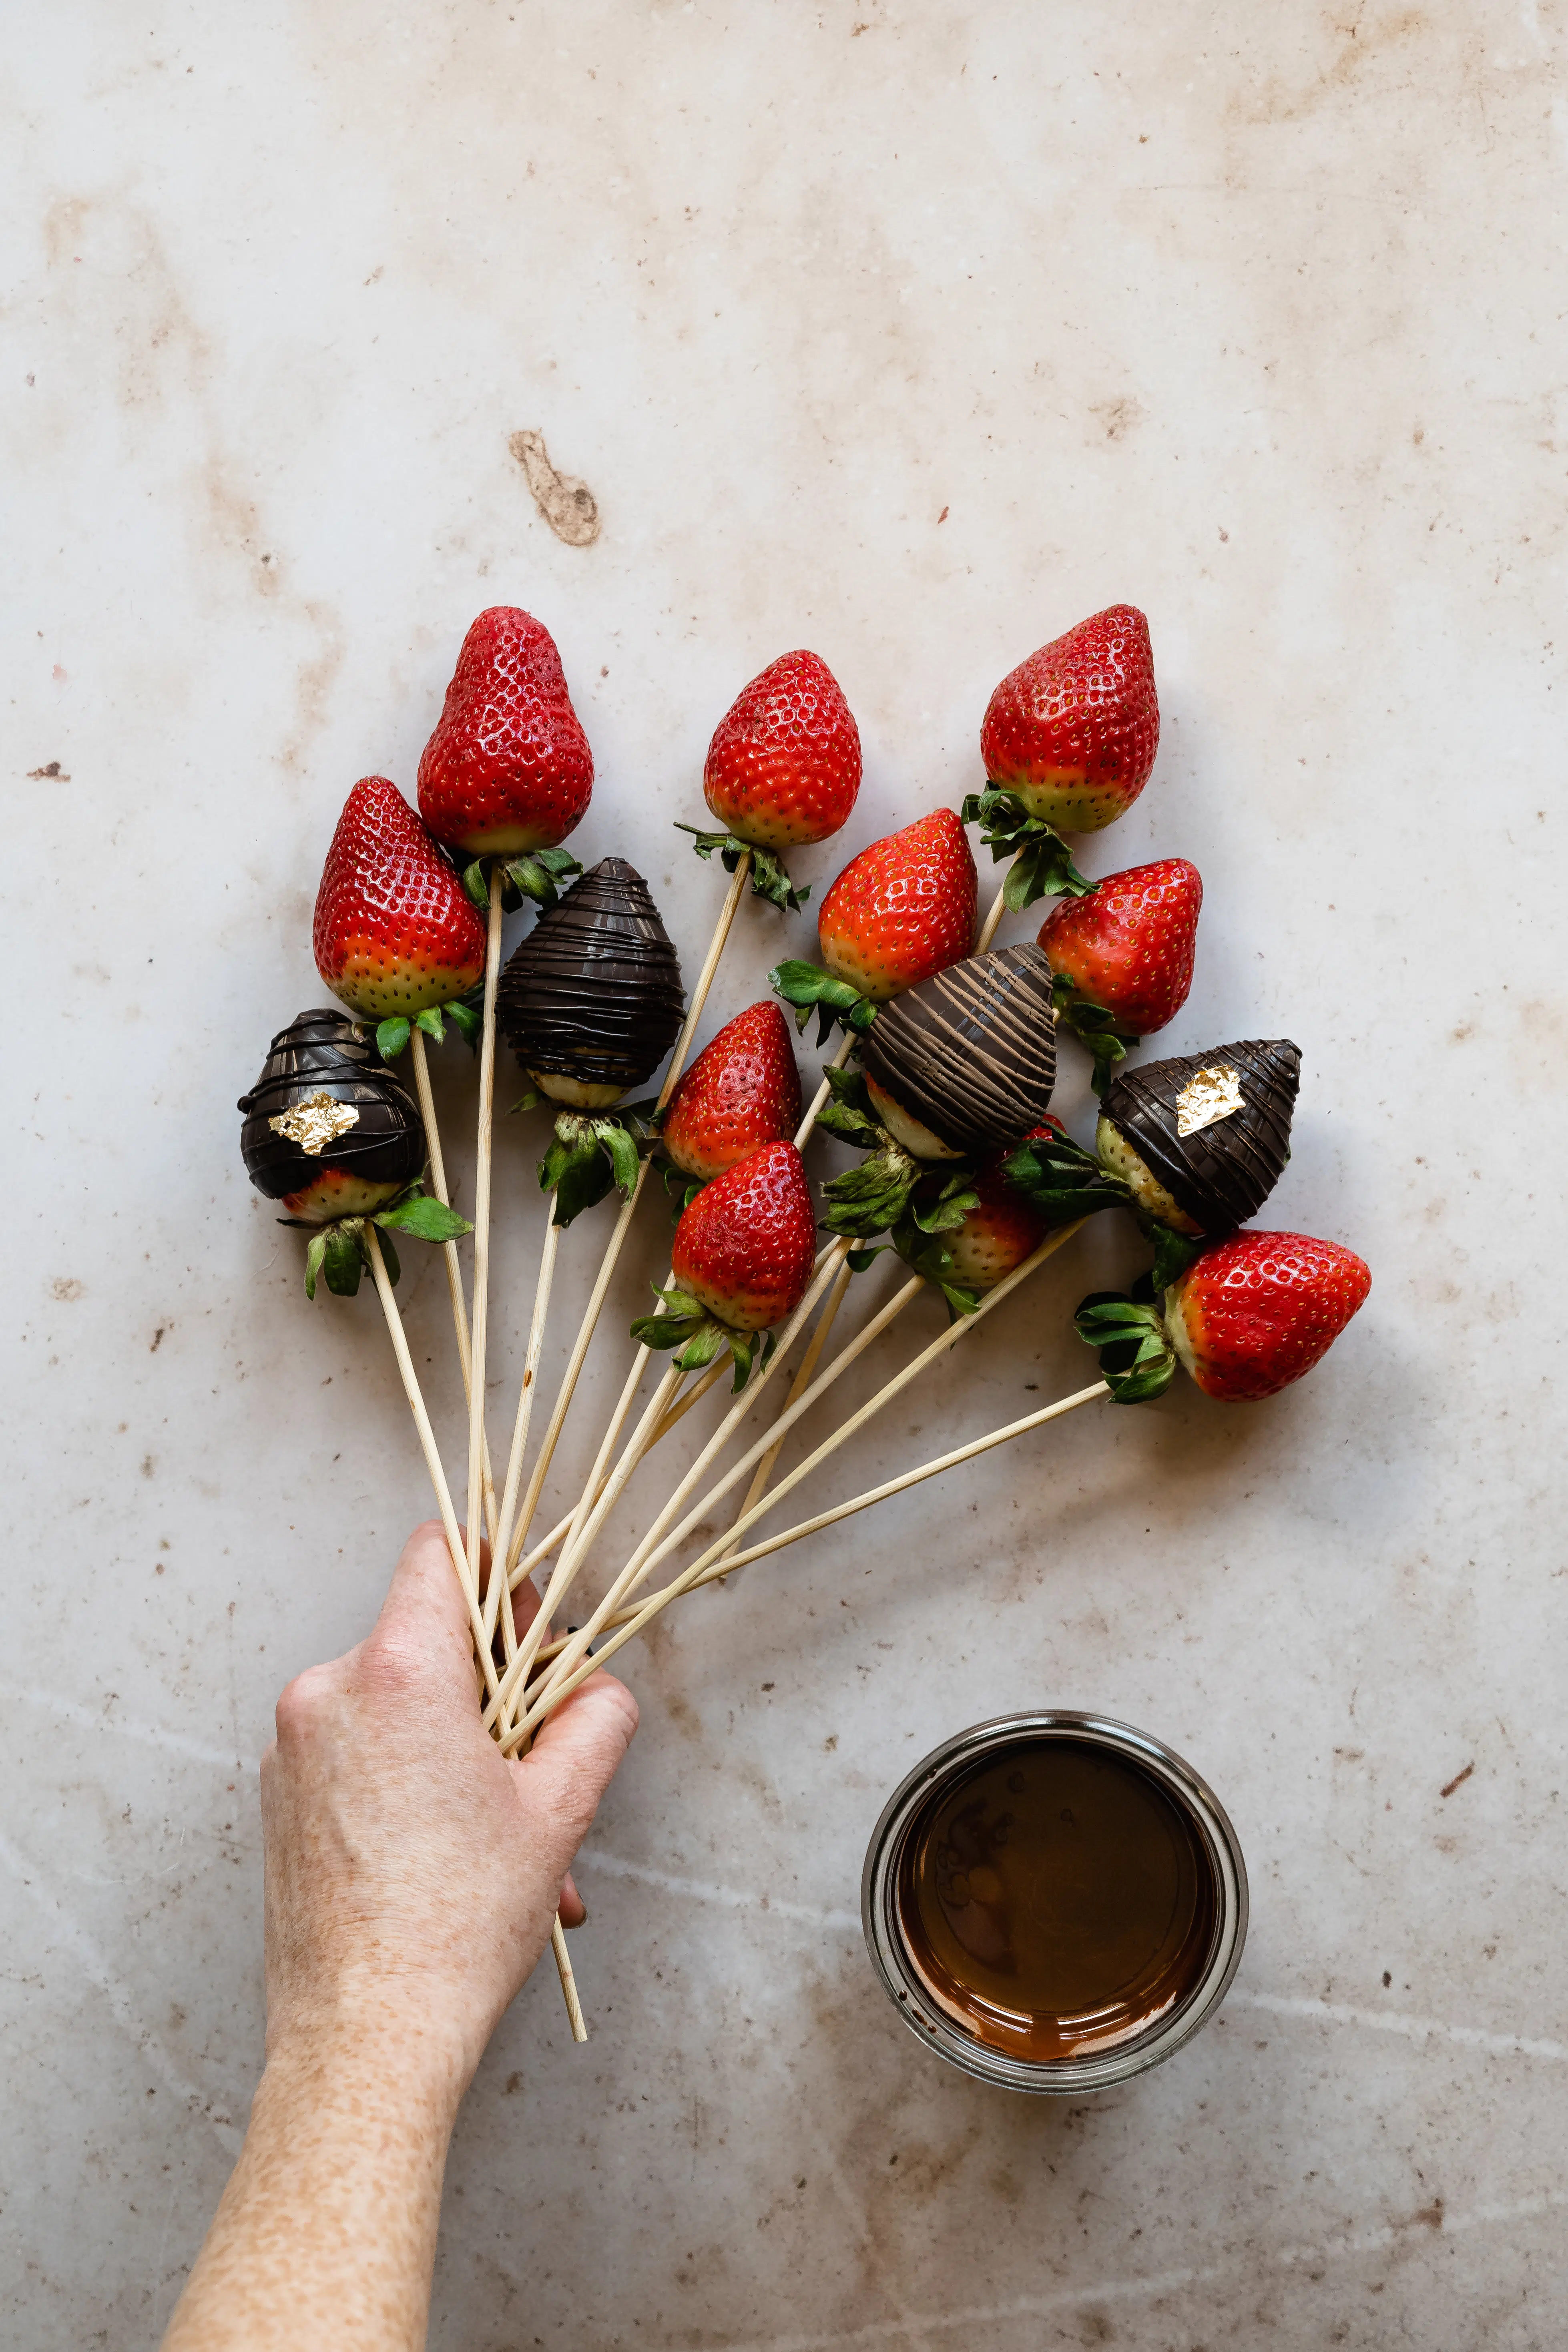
(942, 1081)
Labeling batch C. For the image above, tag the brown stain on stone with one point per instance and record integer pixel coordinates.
(567, 504)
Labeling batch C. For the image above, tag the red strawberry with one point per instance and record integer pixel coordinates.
(743, 1258)
(394, 932)
(1254, 1312)
(1248, 1315)
(903, 909)
(741, 1091)
(782, 770)
(1125, 951)
(1000, 1232)
(508, 767)
(1073, 730)
(745, 1248)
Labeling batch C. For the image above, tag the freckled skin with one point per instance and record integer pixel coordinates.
(508, 768)
(1074, 730)
(746, 1246)
(903, 909)
(412, 1873)
(783, 767)
(1257, 1312)
(394, 930)
(1130, 945)
(741, 1091)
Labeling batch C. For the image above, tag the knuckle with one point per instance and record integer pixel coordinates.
(302, 1704)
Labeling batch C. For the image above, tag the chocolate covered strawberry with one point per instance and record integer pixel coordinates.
(336, 1137)
(1248, 1317)
(396, 934)
(741, 1091)
(742, 1259)
(508, 771)
(1122, 956)
(900, 911)
(783, 771)
(1068, 741)
(1192, 1146)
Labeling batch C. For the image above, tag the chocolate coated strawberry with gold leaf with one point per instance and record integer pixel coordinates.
(334, 1136)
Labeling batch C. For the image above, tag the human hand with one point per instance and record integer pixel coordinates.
(412, 1872)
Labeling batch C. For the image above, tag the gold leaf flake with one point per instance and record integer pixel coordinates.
(315, 1123)
(1211, 1095)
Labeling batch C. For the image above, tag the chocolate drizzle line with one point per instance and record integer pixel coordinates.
(593, 992)
(972, 1052)
(1222, 1174)
(327, 1053)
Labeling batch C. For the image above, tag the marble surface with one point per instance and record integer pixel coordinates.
(911, 333)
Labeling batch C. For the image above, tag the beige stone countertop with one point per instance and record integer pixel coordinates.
(914, 334)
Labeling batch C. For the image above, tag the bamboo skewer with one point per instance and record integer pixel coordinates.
(801, 1382)
(562, 1527)
(568, 1980)
(652, 1549)
(622, 1227)
(455, 1545)
(589, 1518)
(994, 915)
(631, 1621)
(455, 1541)
(649, 1555)
(525, 1396)
(478, 1331)
(449, 1249)
(765, 1468)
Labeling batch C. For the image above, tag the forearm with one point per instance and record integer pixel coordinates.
(326, 2234)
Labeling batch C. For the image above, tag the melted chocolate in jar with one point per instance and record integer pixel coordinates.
(1057, 1901)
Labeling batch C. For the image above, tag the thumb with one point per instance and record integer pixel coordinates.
(573, 1759)
(421, 1636)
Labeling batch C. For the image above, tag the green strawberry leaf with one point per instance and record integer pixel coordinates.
(806, 985)
(867, 1201)
(1062, 1180)
(469, 1020)
(1174, 1252)
(621, 1151)
(529, 1101)
(1095, 1026)
(390, 1260)
(343, 1258)
(851, 1126)
(681, 1187)
(679, 1319)
(586, 1156)
(1042, 868)
(426, 1219)
(391, 1037)
(313, 1256)
(1137, 1361)
(477, 883)
(860, 1259)
(768, 878)
(539, 875)
(431, 1023)
(938, 1208)
(849, 1115)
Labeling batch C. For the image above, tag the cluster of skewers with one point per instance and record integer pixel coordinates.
(942, 1080)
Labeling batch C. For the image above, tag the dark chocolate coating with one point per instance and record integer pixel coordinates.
(330, 1052)
(972, 1052)
(593, 992)
(1224, 1173)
